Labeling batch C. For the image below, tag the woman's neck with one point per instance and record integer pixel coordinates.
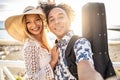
(38, 38)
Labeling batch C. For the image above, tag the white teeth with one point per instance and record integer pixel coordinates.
(35, 29)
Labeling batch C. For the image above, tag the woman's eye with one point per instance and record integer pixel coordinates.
(38, 19)
(27, 22)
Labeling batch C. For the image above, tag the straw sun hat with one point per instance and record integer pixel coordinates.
(15, 26)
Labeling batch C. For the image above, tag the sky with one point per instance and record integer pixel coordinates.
(111, 7)
(14, 7)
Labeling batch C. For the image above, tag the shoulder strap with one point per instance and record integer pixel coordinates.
(71, 44)
(70, 56)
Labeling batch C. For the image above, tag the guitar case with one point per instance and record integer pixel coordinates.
(94, 28)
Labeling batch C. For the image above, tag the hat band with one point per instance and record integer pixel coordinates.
(27, 10)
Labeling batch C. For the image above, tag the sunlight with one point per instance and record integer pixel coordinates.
(76, 25)
(77, 7)
(13, 8)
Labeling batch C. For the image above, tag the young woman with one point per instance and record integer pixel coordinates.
(29, 28)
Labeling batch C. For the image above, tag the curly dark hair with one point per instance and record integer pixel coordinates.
(48, 7)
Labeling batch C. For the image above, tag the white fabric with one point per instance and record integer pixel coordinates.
(37, 61)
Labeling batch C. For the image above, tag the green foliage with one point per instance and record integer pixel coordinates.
(19, 78)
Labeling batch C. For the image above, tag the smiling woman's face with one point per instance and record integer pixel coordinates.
(33, 23)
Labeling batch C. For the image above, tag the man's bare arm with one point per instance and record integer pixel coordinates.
(86, 71)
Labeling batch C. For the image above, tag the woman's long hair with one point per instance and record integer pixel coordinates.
(44, 41)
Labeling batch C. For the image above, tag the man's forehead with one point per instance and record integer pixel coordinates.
(57, 10)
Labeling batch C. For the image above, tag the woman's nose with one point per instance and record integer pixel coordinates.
(34, 24)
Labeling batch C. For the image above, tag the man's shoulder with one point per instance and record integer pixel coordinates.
(79, 38)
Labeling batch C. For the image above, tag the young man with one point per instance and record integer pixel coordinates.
(59, 18)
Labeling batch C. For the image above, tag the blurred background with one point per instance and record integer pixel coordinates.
(14, 7)
(11, 49)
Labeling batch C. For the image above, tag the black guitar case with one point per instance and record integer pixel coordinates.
(95, 30)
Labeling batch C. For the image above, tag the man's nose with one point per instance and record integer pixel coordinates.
(56, 20)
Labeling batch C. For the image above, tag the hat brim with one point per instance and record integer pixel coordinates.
(15, 26)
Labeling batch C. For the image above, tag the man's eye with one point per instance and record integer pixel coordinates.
(51, 20)
(61, 17)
